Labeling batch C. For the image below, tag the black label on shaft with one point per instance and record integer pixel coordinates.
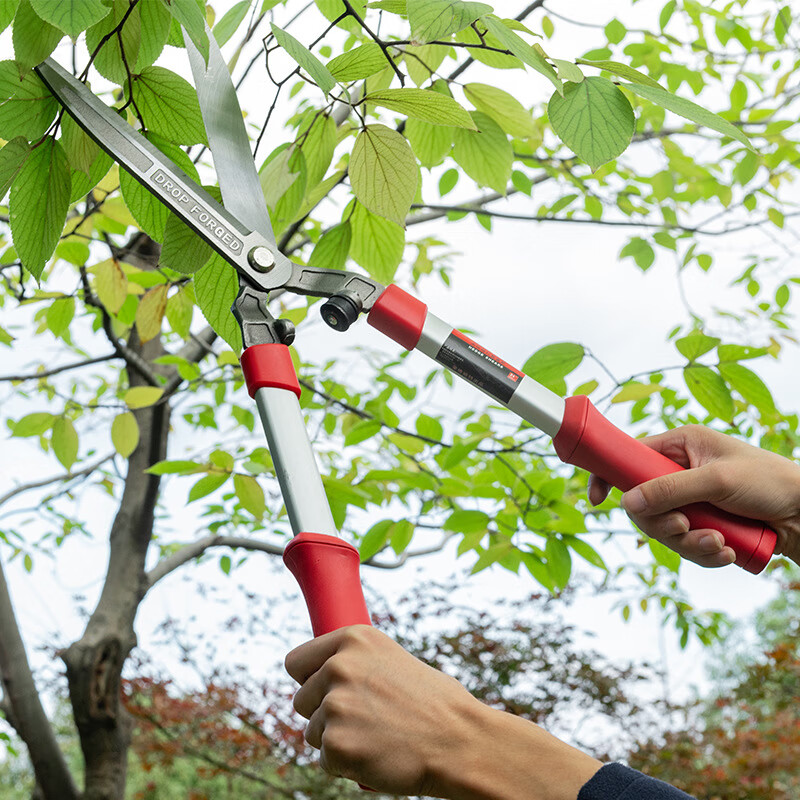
(475, 363)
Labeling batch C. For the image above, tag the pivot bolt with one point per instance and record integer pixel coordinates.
(261, 259)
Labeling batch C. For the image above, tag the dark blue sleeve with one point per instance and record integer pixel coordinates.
(617, 782)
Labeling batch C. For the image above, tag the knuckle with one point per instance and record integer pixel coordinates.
(335, 705)
(660, 491)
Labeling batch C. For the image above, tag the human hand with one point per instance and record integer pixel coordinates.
(381, 717)
(723, 471)
(377, 714)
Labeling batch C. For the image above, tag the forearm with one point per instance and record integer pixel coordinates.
(499, 756)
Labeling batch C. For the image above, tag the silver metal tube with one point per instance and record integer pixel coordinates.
(295, 464)
(531, 401)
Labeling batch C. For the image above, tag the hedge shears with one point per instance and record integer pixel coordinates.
(239, 229)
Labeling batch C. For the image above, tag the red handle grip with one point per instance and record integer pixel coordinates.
(588, 440)
(327, 570)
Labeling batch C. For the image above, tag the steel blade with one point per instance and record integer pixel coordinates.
(227, 138)
(226, 234)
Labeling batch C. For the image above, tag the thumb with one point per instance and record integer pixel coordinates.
(667, 492)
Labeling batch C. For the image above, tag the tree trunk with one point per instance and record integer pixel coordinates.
(94, 663)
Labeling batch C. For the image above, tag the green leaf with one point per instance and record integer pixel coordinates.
(154, 27)
(664, 556)
(522, 50)
(305, 58)
(125, 433)
(485, 155)
(13, 156)
(552, 363)
(375, 539)
(207, 484)
(330, 252)
(424, 104)
(28, 107)
(709, 389)
(587, 552)
(109, 60)
(362, 431)
(633, 390)
(558, 560)
(695, 345)
(142, 396)
(593, 118)
(688, 110)
(65, 441)
(377, 244)
(225, 564)
(82, 183)
(640, 251)
(502, 107)
(169, 106)
(438, 19)
(71, 16)
(620, 70)
(383, 172)
(180, 308)
(567, 71)
(400, 535)
(216, 286)
(8, 8)
(358, 63)
(749, 386)
(466, 521)
(34, 39)
(250, 494)
(79, 147)
(423, 61)
(174, 468)
(615, 31)
(737, 352)
(230, 21)
(33, 424)
(38, 205)
(317, 143)
(429, 427)
(430, 143)
(60, 314)
(192, 18)
(183, 250)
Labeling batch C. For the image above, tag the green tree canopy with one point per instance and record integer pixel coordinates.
(370, 122)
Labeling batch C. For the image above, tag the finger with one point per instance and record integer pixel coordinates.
(598, 490)
(667, 492)
(315, 728)
(702, 546)
(309, 696)
(304, 661)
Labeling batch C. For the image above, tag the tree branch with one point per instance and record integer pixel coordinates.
(27, 714)
(56, 370)
(67, 476)
(521, 16)
(195, 549)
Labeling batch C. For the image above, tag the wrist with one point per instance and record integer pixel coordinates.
(495, 755)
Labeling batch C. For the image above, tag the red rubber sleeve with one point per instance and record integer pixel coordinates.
(327, 570)
(399, 315)
(269, 365)
(588, 440)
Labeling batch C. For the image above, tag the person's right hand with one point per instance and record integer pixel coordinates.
(723, 471)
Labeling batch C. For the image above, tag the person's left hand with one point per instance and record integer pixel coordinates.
(377, 714)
